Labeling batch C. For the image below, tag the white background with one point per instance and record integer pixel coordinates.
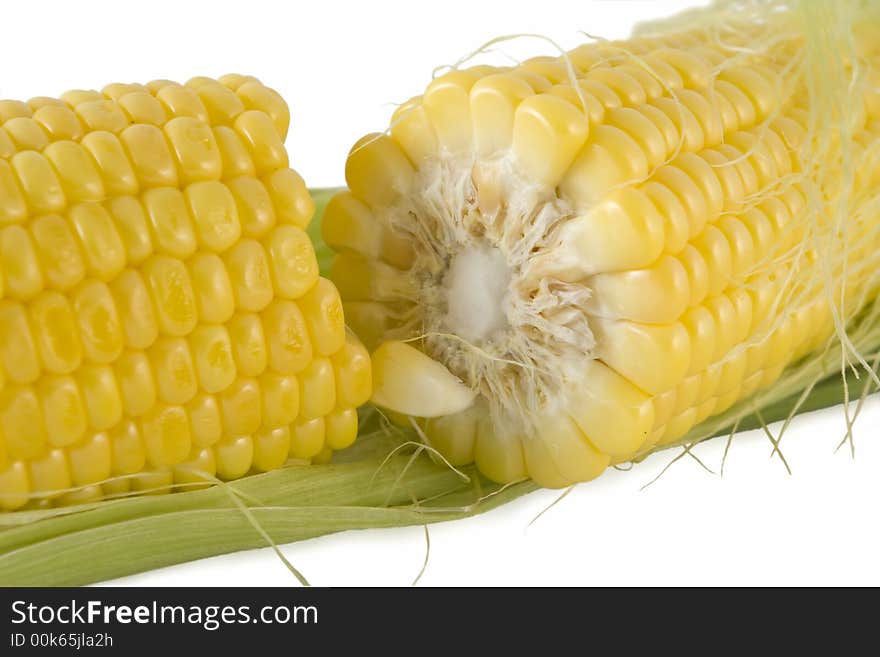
(342, 66)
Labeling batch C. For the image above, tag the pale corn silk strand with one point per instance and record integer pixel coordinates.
(834, 90)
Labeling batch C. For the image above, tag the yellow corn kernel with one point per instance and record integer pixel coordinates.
(378, 171)
(12, 204)
(292, 261)
(221, 103)
(21, 422)
(563, 454)
(63, 410)
(21, 266)
(58, 251)
(136, 383)
(548, 132)
(196, 472)
(131, 222)
(353, 373)
(179, 100)
(255, 96)
(254, 206)
(117, 90)
(166, 435)
(349, 225)
(18, 348)
(78, 175)
(135, 309)
(173, 298)
(100, 394)
(271, 447)
(7, 147)
(249, 347)
(262, 140)
(317, 389)
(102, 248)
(204, 420)
(102, 114)
(287, 339)
(306, 438)
(454, 435)
(624, 232)
(172, 229)
(493, 102)
(59, 122)
(211, 347)
(128, 454)
(248, 267)
(27, 134)
(653, 357)
(234, 457)
(100, 330)
(280, 399)
(90, 461)
(113, 163)
(214, 214)
(194, 148)
(14, 486)
(656, 295)
(235, 158)
(176, 379)
(614, 415)
(49, 473)
(290, 197)
(148, 151)
(153, 482)
(499, 455)
(54, 328)
(10, 109)
(215, 300)
(322, 310)
(241, 407)
(141, 107)
(341, 428)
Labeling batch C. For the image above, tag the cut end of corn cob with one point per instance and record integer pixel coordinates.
(609, 247)
(162, 321)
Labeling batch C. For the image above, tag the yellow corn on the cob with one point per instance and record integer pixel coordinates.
(161, 315)
(567, 262)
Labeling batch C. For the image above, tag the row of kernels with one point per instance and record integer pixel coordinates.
(56, 333)
(742, 371)
(60, 410)
(140, 456)
(636, 139)
(628, 147)
(79, 111)
(98, 240)
(185, 150)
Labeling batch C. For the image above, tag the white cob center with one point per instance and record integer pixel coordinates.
(477, 285)
(483, 304)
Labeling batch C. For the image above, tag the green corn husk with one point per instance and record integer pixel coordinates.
(387, 479)
(368, 489)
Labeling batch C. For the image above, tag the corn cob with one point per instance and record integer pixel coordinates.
(563, 264)
(162, 321)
